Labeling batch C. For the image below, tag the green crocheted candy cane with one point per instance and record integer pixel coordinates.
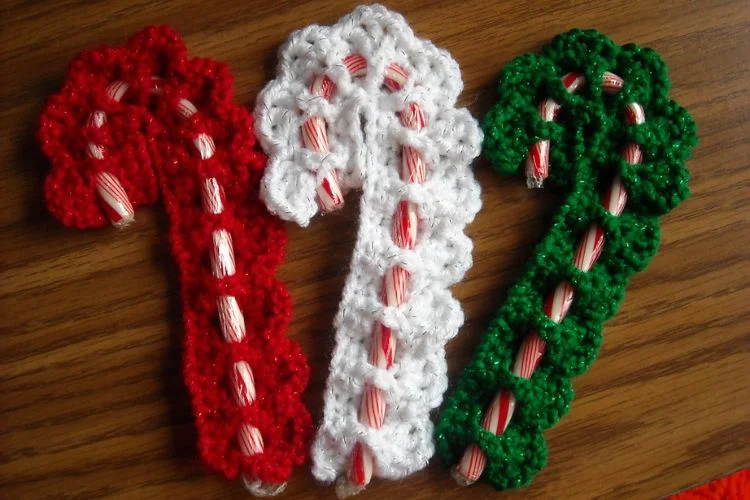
(599, 116)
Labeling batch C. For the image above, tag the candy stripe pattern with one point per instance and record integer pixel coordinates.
(619, 154)
(163, 124)
(393, 131)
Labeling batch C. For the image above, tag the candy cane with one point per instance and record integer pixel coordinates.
(114, 198)
(537, 162)
(395, 285)
(589, 248)
(315, 136)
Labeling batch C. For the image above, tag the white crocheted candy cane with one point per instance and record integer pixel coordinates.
(365, 104)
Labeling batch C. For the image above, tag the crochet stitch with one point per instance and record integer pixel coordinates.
(142, 120)
(365, 104)
(565, 108)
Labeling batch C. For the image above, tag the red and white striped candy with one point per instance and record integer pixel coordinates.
(115, 200)
(116, 90)
(95, 151)
(611, 83)
(589, 248)
(537, 163)
(395, 285)
(97, 119)
(548, 110)
(249, 440)
(222, 254)
(499, 413)
(356, 65)
(329, 192)
(231, 320)
(315, 137)
(573, 81)
(405, 223)
(361, 465)
(243, 383)
(395, 77)
(495, 420)
(394, 290)
(633, 154)
(372, 407)
(212, 196)
(615, 197)
(185, 108)
(383, 348)
(205, 145)
(529, 356)
(635, 114)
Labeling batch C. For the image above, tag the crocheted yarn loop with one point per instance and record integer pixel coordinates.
(586, 142)
(156, 123)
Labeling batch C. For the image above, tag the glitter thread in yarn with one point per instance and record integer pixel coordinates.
(142, 121)
(364, 104)
(609, 135)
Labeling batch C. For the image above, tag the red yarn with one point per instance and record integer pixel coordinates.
(149, 147)
(733, 487)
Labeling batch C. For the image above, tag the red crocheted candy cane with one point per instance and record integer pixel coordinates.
(137, 121)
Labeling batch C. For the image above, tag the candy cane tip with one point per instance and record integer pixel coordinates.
(124, 222)
(460, 478)
(534, 182)
(260, 489)
(346, 488)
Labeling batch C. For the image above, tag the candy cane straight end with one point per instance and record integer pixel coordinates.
(115, 200)
(461, 480)
(329, 194)
(534, 182)
(259, 489)
(346, 488)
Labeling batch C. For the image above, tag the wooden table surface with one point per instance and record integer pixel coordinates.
(92, 399)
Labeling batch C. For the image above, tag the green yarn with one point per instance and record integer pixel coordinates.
(585, 154)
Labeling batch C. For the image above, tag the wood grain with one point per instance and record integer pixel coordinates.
(93, 403)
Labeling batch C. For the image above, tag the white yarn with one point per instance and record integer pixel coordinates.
(366, 138)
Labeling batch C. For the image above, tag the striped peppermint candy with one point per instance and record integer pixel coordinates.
(231, 320)
(537, 161)
(315, 137)
(222, 254)
(383, 348)
(96, 119)
(495, 420)
(205, 145)
(185, 108)
(115, 200)
(243, 383)
(615, 197)
(116, 90)
(395, 77)
(537, 164)
(361, 465)
(356, 65)
(498, 414)
(395, 284)
(212, 196)
(611, 83)
(249, 440)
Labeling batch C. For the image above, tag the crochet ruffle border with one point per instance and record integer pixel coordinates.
(584, 156)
